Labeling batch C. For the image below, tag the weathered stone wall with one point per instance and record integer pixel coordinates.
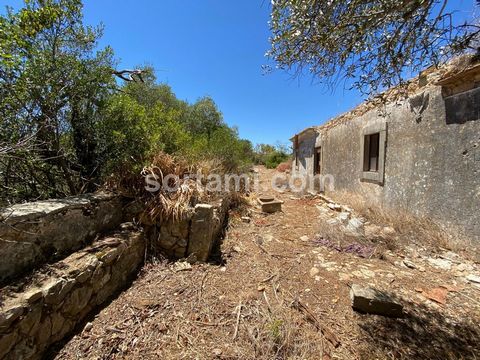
(432, 158)
(48, 310)
(305, 154)
(192, 236)
(32, 234)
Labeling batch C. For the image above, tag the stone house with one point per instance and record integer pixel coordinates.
(420, 153)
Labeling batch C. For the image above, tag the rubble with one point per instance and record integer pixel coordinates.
(372, 301)
(440, 263)
(473, 279)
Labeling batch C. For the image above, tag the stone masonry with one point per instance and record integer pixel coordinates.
(48, 310)
(34, 233)
(430, 153)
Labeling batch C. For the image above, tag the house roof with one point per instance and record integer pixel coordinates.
(304, 131)
(458, 69)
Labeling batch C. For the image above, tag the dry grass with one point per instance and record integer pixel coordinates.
(409, 229)
(187, 187)
(262, 302)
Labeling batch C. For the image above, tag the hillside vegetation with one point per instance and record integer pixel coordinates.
(68, 123)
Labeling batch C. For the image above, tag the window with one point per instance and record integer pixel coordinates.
(371, 152)
(317, 165)
(373, 149)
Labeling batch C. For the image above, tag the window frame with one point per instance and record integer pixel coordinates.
(376, 177)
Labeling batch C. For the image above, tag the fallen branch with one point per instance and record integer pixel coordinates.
(310, 317)
(238, 320)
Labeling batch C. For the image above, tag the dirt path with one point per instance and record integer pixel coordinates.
(279, 294)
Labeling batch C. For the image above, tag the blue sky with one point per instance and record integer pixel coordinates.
(216, 48)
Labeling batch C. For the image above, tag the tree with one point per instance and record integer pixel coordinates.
(369, 42)
(271, 156)
(53, 84)
(203, 117)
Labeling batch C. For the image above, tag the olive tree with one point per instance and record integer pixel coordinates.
(372, 44)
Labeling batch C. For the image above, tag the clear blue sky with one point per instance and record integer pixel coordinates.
(216, 48)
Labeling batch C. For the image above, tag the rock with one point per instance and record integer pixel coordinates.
(44, 332)
(84, 276)
(237, 249)
(29, 323)
(201, 232)
(9, 316)
(109, 257)
(367, 273)
(182, 243)
(182, 266)
(450, 255)
(473, 279)
(438, 295)
(7, 342)
(217, 352)
(56, 290)
(443, 264)
(463, 267)
(389, 231)
(344, 277)
(372, 301)
(51, 291)
(88, 326)
(77, 301)
(314, 271)
(100, 277)
(355, 226)
(332, 222)
(128, 225)
(343, 216)
(409, 264)
(33, 295)
(322, 209)
(304, 238)
(57, 323)
(334, 207)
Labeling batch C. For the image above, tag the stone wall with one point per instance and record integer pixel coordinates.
(32, 234)
(50, 306)
(305, 154)
(194, 235)
(432, 157)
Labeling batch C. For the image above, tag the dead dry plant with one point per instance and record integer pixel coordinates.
(409, 228)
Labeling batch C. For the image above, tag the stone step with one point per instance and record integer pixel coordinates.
(43, 309)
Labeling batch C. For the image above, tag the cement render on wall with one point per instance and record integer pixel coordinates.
(432, 164)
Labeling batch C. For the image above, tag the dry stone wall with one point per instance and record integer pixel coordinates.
(32, 234)
(194, 235)
(66, 275)
(45, 312)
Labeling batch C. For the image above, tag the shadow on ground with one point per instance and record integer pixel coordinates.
(423, 333)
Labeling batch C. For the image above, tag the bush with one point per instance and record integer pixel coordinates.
(270, 156)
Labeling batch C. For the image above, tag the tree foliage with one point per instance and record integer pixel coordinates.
(372, 43)
(52, 85)
(66, 125)
(271, 156)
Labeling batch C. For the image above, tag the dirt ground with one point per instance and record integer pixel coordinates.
(281, 291)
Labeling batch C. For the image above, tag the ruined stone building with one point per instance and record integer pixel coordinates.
(419, 153)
